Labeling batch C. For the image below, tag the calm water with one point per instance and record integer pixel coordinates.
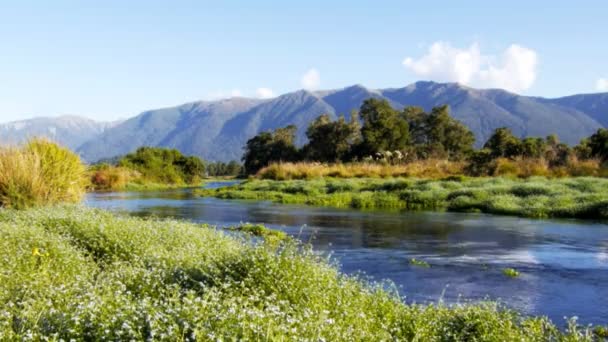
(563, 264)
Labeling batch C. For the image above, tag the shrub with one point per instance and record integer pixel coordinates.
(166, 166)
(40, 173)
(108, 177)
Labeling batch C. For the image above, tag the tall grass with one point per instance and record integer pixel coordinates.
(431, 168)
(76, 274)
(107, 177)
(39, 173)
(583, 197)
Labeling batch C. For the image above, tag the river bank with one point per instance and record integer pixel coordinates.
(168, 279)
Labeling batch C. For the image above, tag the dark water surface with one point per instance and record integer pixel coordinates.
(563, 264)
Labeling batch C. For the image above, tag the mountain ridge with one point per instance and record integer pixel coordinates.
(218, 130)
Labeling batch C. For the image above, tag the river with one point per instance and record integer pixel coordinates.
(563, 264)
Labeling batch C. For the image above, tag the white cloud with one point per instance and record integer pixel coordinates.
(601, 84)
(264, 93)
(311, 79)
(514, 69)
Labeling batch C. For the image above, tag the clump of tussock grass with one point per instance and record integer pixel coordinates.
(540, 197)
(74, 273)
(39, 173)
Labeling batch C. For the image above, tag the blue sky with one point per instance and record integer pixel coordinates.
(113, 59)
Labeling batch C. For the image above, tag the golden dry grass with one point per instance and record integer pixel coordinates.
(39, 173)
(430, 168)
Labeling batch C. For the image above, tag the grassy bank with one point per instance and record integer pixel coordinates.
(72, 273)
(584, 197)
(434, 169)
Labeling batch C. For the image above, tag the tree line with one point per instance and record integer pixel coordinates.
(380, 132)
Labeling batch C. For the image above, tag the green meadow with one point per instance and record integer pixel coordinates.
(582, 197)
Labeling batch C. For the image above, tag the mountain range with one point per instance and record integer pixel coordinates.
(71, 131)
(218, 130)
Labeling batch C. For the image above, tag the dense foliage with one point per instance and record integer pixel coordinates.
(164, 165)
(215, 169)
(534, 197)
(411, 133)
(39, 173)
(381, 133)
(267, 147)
(77, 274)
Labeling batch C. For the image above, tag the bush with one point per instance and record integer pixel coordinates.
(40, 173)
(166, 166)
(106, 177)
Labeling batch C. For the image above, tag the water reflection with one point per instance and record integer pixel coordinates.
(563, 264)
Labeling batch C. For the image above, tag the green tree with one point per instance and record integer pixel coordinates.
(437, 133)
(331, 141)
(417, 121)
(598, 144)
(268, 147)
(533, 147)
(502, 143)
(383, 128)
(449, 134)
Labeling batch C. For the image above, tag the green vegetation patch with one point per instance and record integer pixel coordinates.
(583, 197)
(74, 273)
(419, 263)
(261, 231)
(511, 272)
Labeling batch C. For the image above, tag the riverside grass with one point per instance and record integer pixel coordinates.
(539, 197)
(70, 273)
(432, 169)
(39, 173)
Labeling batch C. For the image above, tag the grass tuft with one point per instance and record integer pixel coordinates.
(39, 173)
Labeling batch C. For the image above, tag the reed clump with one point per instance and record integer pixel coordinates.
(40, 173)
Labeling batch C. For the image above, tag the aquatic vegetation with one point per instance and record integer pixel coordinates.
(261, 231)
(419, 263)
(74, 273)
(510, 272)
(601, 332)
(39, 173)
(581, 197)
